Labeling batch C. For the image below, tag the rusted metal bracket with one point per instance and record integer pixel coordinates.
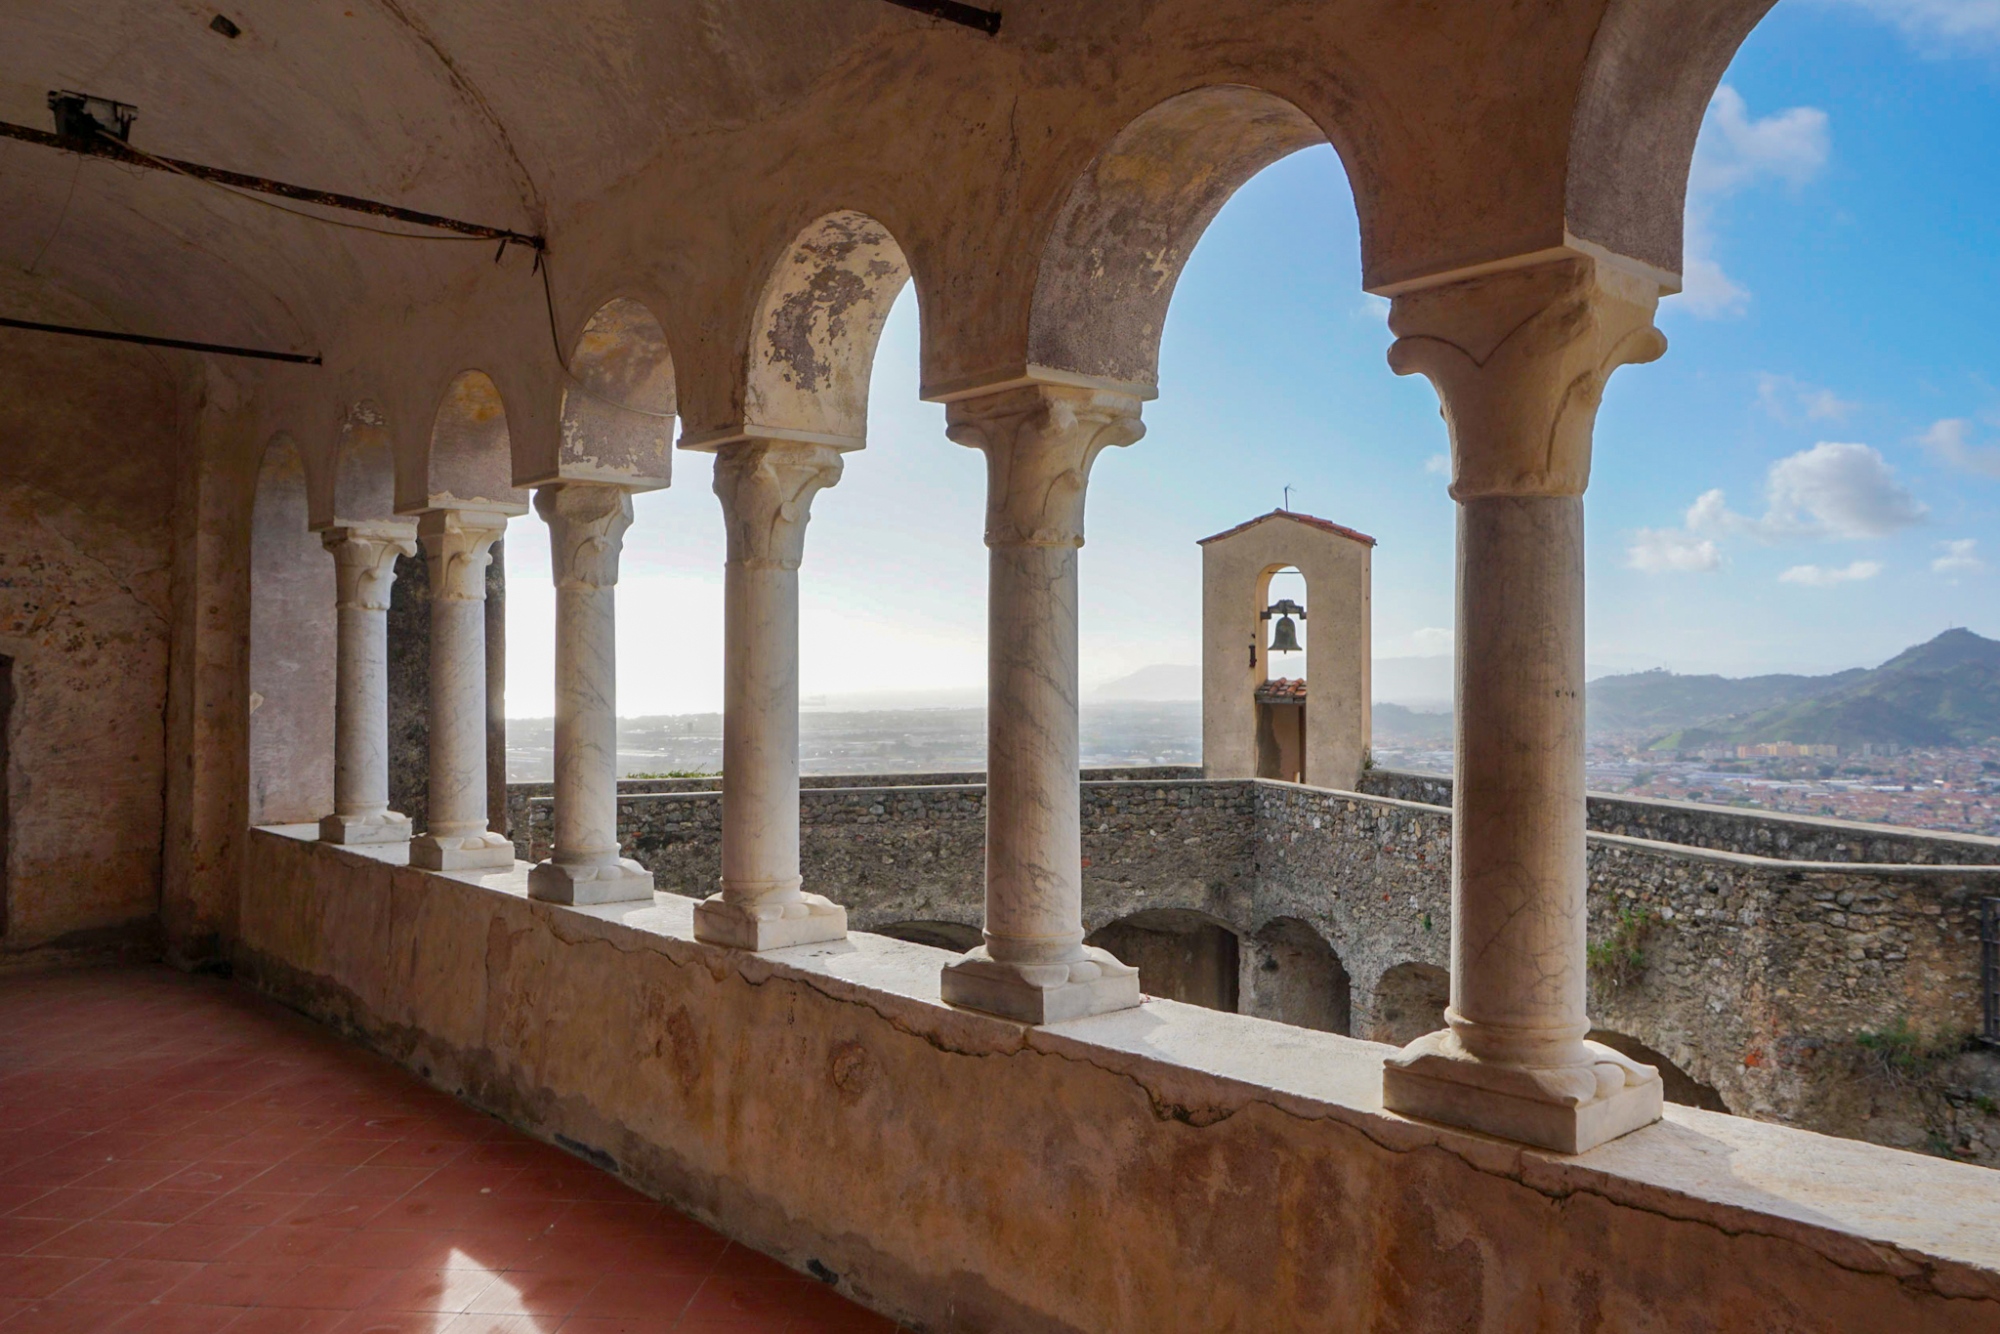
(951, 11)
(106, 147)
(147, 340)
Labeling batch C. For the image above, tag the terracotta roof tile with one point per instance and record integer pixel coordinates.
(1282, 690)
(1324, 525)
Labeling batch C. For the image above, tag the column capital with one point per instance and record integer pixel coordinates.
(364, 560)
(767, 489)
(1040, 441)
(587, 523)
(1519, 359)
(459, 546)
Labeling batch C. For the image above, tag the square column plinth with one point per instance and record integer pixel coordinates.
(470, 852)
(581, 885)
(1041, 993)
(809, 919)
(1570, 1109)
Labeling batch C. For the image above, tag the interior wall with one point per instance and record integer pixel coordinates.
(292, 658)
(87, 451)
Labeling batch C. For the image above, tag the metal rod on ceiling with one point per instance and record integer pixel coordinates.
(147, 340)
(951, 11)
(106, 147)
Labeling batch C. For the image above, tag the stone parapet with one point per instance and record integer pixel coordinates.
(687, 1069)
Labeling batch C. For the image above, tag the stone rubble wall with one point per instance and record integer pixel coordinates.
(1801, 838)
(1761, 978)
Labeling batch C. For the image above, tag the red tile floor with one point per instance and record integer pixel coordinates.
(178, 1155)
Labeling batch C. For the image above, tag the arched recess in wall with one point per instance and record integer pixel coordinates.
(954, 936)
(292, 648)
(1409, 1002)
(1180, 954)
(1290, 973)
(1128, 225)
(618, 407)
(1681, 1087)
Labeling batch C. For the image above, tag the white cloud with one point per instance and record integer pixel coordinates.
(1438, 465)
(1940, 27)
(1790, 400)
(1833, 490)
(1373, 307)
(1947, 442)
(1734, 152)
(1958, 557)
(1672, 551)
(1821, 576)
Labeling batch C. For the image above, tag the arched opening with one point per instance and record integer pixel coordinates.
(292, 649)
(1410, 1001)
(1281, 699)
(1681, 1087)
(1291, 974)
(954, 936)
(1180, 955)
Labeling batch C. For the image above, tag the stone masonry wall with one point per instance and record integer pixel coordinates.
(1837, 996)
(1802, 838)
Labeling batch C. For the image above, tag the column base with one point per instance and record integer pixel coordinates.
(388, 827)
(1041, 993)
(461, 852)
(1570, 1109)
(622, 881)
(810, 919)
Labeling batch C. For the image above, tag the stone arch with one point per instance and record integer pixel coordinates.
(354, 482)
(813, 337)
(1681, 1087)
(1131, 220)
(619, 403)
(292, 648)
(1181, 954)
(954, 936)
(1409, 1002)
(465, 460)
(1292, 974)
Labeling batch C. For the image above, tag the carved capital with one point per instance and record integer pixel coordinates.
(587, 523)
(1040, 441)
(364, 561)
(458, 544)
(767, 489)
(1519, 359)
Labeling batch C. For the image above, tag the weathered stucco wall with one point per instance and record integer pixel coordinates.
(85, 553)
(968, 1173)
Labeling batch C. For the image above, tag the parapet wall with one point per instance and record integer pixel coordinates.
(1164, 1169)
(1802, 838)
(1825, 994)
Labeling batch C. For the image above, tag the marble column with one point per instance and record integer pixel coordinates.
(1039, 441)
(1520, 359)
(767, 489)
(364, 565)
(457, 546)
(587, 523)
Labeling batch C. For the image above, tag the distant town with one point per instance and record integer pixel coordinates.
(1913, 742)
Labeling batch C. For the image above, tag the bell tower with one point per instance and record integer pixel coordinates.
(1258, 719)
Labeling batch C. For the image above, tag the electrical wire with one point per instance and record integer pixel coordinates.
(61, 218)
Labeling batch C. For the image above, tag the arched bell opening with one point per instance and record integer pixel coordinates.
(1281, 696)
(1410, 1001)
(1181, 955)
(292, 648)
(1290, 973)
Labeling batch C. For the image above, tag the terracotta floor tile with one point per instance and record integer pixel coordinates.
(55, 1316)
(33, 1276)
(98, 1239)
(133, 1282)
(233, 1169)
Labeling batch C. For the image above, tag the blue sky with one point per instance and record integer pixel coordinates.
(1809, 480)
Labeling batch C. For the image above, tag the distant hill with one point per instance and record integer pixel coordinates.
(1158, 683)
(1942, 693)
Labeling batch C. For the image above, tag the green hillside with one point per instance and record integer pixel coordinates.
(1942, 693)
